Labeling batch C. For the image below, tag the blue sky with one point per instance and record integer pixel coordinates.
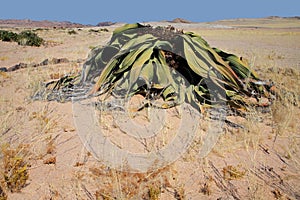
(94, 11)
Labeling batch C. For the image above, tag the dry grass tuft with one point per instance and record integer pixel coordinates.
(45, 120)
(3, 195)
(231, 172)
(179, 193)
(205, 189)
(124, 185)
(50, 160)
(154, 192)
(15, 167)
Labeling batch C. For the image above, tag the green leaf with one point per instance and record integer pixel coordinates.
(169, 93)
(132, 57)
(127, 27)
(137, 42)
(138, 66)
(147, 73)
(206, 57)
(163, 72)
(195, 63)
(107, 71)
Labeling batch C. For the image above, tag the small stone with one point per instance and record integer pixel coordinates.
(264, 102)
(3, 69)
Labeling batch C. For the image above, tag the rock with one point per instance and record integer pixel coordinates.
(45, 62)
(180, 20)
(17, 66)
(59, 60)
(251, 101)
(3, 69)
(264, 102)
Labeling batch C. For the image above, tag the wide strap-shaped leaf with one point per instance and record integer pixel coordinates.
(240, 68)
(196, 64)
(136, 42)
(107, 71)
(138, 65)
(163, 71)
(147, 73)
(197, 37)
(132, 56)
(202, 55)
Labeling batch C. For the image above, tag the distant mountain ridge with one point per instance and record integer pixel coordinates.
(44, 23)
(27, 23)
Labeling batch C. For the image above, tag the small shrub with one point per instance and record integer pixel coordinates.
(40, 29)
(93, 31)
(98, 30)
(15, 168)
(104, 30)
(28, 38)
(72, 32)
(8, 36)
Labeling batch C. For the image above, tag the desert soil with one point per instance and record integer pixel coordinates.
(259, 161)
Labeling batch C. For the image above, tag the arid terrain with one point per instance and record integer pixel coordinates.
(42, 156)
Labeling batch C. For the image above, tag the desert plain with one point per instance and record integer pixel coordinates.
(42, 156)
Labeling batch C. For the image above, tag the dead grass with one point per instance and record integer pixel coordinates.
(45, 119)
(233, 172)
(14, 167)
(3, 195)
(125, 185)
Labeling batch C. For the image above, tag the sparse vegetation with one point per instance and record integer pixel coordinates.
(125, 185)
(45, 122)
(98, 30)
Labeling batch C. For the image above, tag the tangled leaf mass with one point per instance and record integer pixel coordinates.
(165, 65)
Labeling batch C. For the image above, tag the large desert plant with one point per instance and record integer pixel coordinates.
(166, 63)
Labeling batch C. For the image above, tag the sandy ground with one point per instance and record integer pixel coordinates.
(259, 161)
